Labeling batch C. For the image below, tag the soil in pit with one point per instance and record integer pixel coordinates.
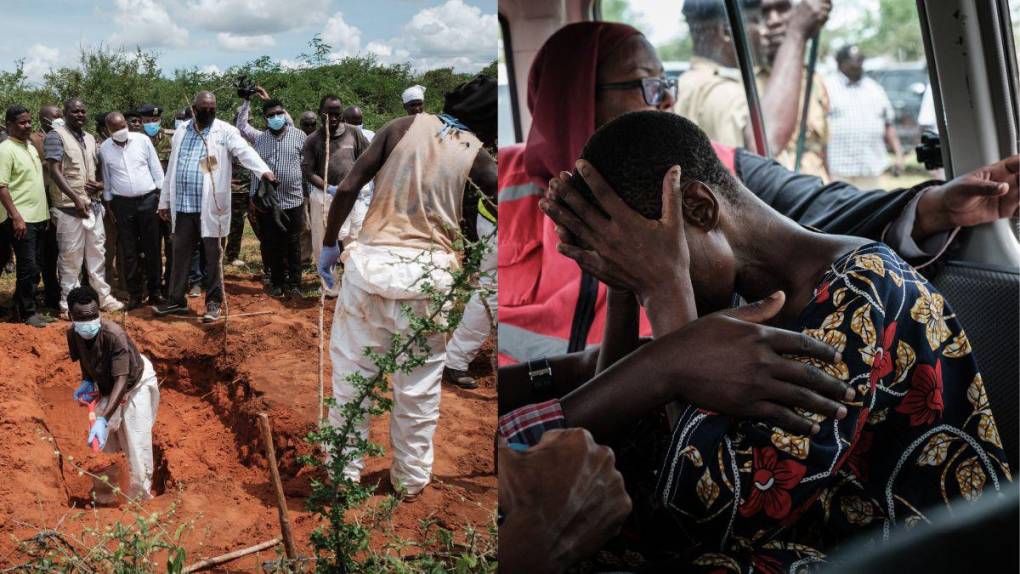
(208, 452)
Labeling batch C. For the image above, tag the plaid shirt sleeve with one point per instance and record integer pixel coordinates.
(526, 425)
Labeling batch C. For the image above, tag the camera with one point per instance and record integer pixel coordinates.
(245, 87)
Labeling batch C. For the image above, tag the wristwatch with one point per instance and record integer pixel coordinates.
(540, 374)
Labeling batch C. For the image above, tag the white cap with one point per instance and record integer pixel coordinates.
(413, 93)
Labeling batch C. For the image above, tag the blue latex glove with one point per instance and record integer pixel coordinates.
(87, 387)
(98, 431)
(327, 260)
(331, 190)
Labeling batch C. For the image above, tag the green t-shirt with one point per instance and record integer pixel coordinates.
(21, 171)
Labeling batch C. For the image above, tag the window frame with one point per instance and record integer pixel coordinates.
(508, 58)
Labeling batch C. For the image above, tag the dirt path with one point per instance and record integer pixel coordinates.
(208, 455)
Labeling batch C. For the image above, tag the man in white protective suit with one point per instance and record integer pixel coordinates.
(421, 164)
(122, 383)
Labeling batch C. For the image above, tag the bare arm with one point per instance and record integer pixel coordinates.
(620, 335)
(308, 165)
(781, 100)
(242, 124)
(362, 172)
(892, 142)
(117, 395)
(568, 372)
(8, 202)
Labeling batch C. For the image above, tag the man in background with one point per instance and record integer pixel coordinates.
(49, 115)
(23, 216)
(350, 229)
(196, 199)
(414, 100)
(354, 116)
(73, 163)
(346, 144)
(134, 121)
(308, 122)
(280, 147)
(861, 120)
(152, 117)
(132, 176)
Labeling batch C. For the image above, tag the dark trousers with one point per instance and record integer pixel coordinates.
(138, 242)
(47, 260)
(187, 235)
(283, 246)
(167, 237)
(238, 209)
(26, 255)
(197, 271)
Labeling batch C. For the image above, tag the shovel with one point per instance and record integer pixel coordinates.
(91, 404)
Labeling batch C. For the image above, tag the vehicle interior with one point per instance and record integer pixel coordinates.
(966, 51)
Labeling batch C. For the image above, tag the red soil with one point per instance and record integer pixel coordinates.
(209, 456)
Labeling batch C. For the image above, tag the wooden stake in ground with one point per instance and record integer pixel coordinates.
(210, 562)
(274, 474)
(322, 288)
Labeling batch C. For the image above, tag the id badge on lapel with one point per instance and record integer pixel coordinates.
(208, 164)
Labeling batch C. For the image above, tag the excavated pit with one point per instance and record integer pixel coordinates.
(208, 454)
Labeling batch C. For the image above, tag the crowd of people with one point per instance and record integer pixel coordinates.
(647, 410)
(159, 211)
(849, 128)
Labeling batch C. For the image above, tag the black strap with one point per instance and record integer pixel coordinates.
(584, 313)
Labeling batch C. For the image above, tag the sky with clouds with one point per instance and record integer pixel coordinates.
(216, 34)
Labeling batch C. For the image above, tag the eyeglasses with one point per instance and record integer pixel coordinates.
(654, 90)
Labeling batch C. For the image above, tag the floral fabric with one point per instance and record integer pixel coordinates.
(919, 435)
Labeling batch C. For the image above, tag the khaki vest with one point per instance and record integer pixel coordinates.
(79, 166)
(419, 191)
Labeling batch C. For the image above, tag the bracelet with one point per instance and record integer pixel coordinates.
(540, 374)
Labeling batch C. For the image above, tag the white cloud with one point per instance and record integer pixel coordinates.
(253, 17)
(343, 37)
(292, 64)
(453, 34)
(146, 24)
(39, 61)
(211, 69)
(236, 43)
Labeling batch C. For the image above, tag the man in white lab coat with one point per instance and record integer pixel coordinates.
(196, 198)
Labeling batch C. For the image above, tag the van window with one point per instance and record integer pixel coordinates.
(875, 116)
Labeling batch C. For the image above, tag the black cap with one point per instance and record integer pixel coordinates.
(701, 10)
(131, 114)
(150, 110)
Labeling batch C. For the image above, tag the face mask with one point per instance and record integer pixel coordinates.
(276, 122)
(151, 128)
(120, 136)
(87, 329)
(205, 117)
(57, 122)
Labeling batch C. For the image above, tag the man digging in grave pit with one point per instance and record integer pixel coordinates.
(421, 164)
(123, 381)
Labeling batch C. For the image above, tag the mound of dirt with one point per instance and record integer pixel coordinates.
(209, 458)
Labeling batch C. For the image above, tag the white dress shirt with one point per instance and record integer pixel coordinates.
(131, 170)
